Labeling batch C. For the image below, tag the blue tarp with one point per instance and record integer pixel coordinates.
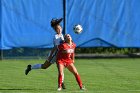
(26, 23)
(106, 23)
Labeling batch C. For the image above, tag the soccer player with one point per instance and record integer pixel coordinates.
(65, 58)
(58, 38)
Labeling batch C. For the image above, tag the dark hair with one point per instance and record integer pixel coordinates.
(55, 22)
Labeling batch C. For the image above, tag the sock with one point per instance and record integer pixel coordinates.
(60, 80)
(78, 79)
(63, 78)
(36, 66)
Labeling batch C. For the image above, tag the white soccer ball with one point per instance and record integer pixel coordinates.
(78, 29)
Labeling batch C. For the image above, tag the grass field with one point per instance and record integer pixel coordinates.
(98, 75)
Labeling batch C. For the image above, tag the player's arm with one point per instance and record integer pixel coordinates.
(73, 54)
(72, 57)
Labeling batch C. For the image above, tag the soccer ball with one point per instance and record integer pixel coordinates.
(77, 29)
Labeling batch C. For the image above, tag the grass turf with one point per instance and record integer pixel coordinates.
(98, 75)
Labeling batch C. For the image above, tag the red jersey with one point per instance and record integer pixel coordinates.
(65, 52)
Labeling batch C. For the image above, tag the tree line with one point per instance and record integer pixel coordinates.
(44, 52)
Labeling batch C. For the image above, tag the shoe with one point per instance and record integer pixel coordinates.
(63, 86)
(83, 88)
(59, 89)
(28, 69)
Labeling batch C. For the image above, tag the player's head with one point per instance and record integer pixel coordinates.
(55, 24)
(68, 38)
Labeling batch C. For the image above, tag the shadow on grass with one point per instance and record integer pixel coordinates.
(20, 89)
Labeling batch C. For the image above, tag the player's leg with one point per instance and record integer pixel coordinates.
(49, 61)
(63, 84)
(38, 66)
(60, 74)
(46, 64)
(73, 69)
(41, 66)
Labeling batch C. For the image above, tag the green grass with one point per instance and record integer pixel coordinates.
(98, 75)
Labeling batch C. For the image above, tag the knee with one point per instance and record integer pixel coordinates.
(76, 73)
(61, 73)
(43, 66)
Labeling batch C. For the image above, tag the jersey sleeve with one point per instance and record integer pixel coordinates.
(58, 40)
(61, 47)
(62, 37)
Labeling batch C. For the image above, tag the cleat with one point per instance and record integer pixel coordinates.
(59, 89)
(83, 88)
(63, 86)
(28, 69)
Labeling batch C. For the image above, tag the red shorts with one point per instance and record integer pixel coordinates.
(66, 64)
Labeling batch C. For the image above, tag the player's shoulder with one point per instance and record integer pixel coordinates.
(64, 44)
(74, 44)
(56, 36)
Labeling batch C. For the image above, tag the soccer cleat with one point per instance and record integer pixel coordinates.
(28, 69)
(83, 88)
(59, 89)
(63, 86)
